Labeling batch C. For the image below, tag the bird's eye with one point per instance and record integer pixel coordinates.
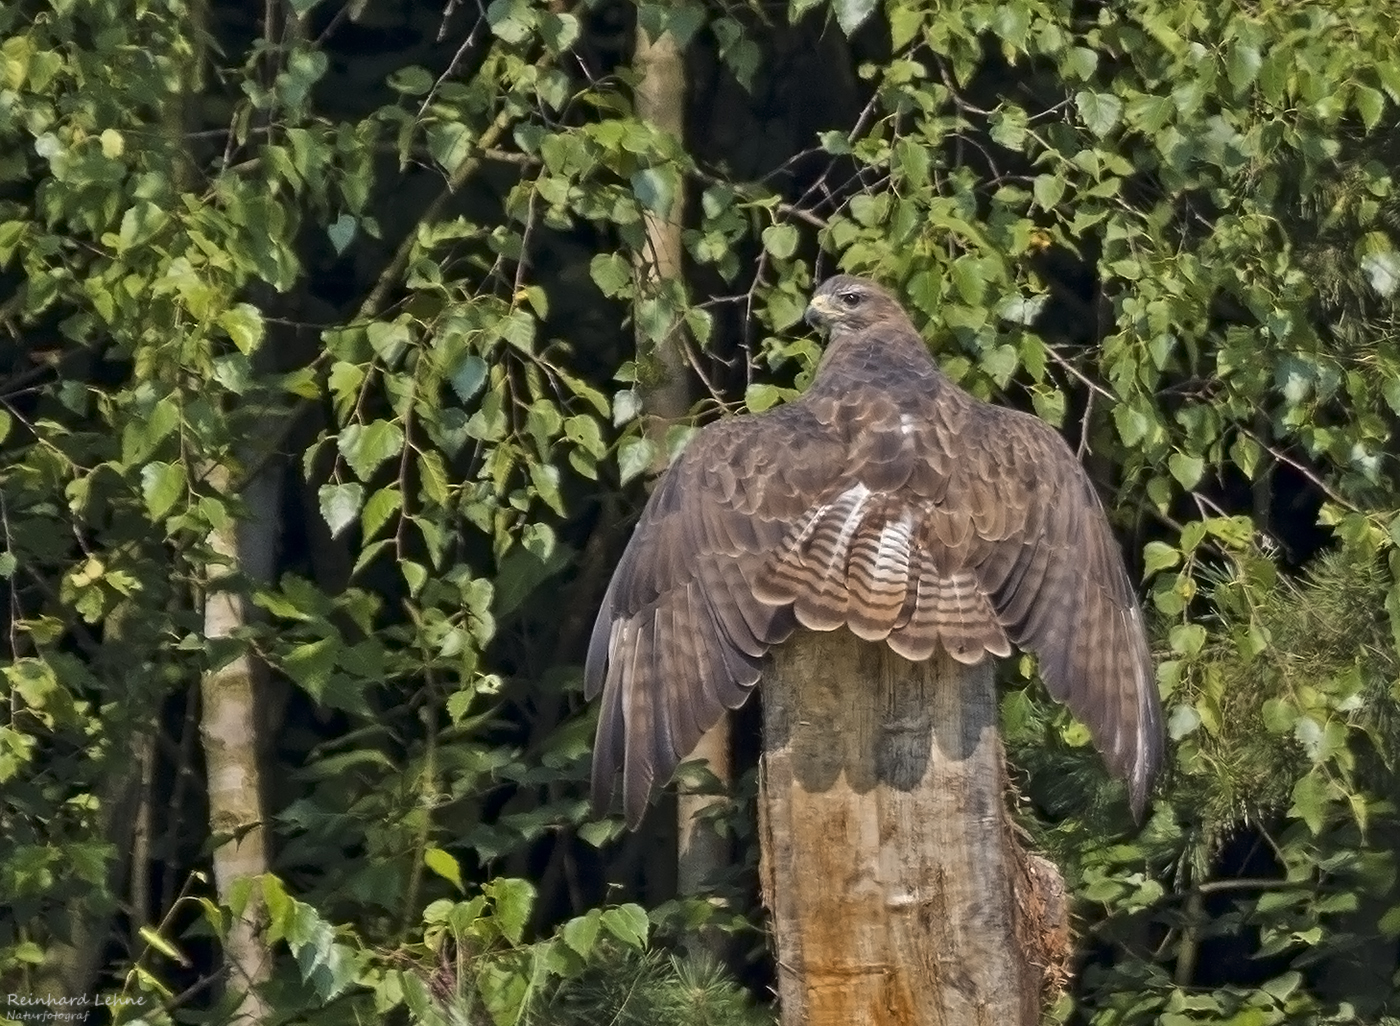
(849, 299)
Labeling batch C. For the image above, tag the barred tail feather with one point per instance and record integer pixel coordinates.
(877, 574)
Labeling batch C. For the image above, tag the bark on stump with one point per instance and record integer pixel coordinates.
(898, 892)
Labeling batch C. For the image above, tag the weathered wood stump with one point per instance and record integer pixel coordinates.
(898, 891)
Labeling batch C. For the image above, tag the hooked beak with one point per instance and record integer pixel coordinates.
(819, 312)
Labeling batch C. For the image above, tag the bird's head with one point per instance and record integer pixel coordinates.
(845, 304)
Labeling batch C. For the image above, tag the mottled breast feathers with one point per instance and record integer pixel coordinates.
(885, 500)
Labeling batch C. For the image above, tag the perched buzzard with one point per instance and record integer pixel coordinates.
(886, 500)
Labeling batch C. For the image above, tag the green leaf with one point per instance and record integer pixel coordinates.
(1048, 191)
(1370, 104)
(545, 478)
(510, 21)
(1150, 113)
(599, 832)
(870, 210)
(444, 865)
(162, 945)
(1158, 556)
(525, 567)
(432, 472)
(388, 339)
(1382, 271)
(851, 14)
(244, 325)
(968, 280)
(304, 383)
(303, 69)
(342, 231)
(1310, 798)
(411, 80)
(10, 234)
(655, 316)
(1080, 62)
(141, 436)
(1280, 716)
(33, 680)
(1049, 406)
(310, 666)
(780, 240)
(512, 901)
(585, 432)
(634, 456)
(381, 506)
(1235, 532)
(1000, 362)
(366, 446)
(656, 189)
(415, 575)
(580, 934)
(1099, 111)
(611, 273)
(339, 505)
(162, 484)
(1186, 469)
(1183, 720)
(139, 224)
(759, 397)
(1187, 638)
(345, 380)
(518, 330)
(914, 162)
(1019, 309)
(469, 376)
(1008, 126)
(450, 143)
(540, 540)
(1245, 453)
(488, 423)
(628, 923)
(1242, 64)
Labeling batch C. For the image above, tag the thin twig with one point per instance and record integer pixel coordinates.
(467, 44)
(1076, 372)
(1084, 449)
(1306, 471)
(374, 302)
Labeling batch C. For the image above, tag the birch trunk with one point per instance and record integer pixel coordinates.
(229, 731)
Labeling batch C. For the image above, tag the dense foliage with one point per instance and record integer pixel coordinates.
(376, 277)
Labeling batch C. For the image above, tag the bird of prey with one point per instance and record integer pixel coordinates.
(884, 499)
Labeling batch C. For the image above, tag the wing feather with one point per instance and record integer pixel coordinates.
(1057, 583)
(680, 633)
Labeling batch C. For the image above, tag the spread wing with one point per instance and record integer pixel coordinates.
(1010, 514)
(904, 510)
(680, 634)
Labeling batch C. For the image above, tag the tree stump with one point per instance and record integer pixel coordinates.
(898, 891)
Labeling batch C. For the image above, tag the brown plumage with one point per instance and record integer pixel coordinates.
(886, 500)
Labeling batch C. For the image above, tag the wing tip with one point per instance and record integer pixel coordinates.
(1150, 754)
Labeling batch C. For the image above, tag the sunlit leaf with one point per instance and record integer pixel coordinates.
(340, 503)
(162, 484)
